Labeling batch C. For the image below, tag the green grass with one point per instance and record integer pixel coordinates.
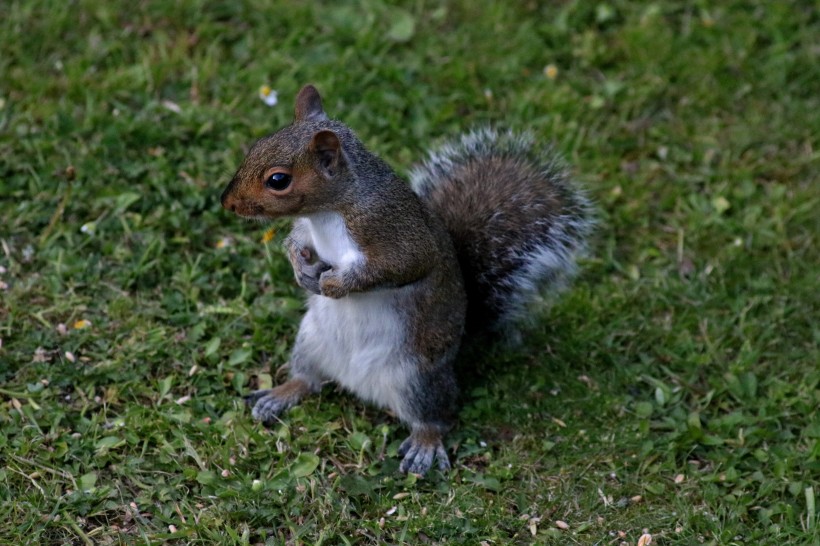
(675, 389)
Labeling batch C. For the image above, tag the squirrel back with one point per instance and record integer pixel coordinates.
(517, 220)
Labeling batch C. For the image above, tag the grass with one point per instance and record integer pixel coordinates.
(674, 390)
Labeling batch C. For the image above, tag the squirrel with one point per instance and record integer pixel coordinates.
(399, 274)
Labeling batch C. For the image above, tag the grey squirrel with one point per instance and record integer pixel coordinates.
(398, 273)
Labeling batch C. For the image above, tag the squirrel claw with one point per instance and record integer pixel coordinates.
(419, 456)
(252, 398)
(266, 406)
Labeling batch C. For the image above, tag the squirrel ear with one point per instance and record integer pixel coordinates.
(328, 148)
(309, 105)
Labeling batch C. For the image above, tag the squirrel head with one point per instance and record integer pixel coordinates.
(300, 169)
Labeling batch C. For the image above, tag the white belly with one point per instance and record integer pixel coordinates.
(361, 345)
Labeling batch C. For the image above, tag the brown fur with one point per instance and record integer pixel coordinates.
(293, 389)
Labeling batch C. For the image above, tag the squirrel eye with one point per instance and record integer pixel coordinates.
(278, 181)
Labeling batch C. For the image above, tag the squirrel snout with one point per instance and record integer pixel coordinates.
(228, 202)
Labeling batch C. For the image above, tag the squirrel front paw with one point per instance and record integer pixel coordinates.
(420, 450)
(332, 285)
(308, 269)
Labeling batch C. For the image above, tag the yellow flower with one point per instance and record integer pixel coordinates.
(223, 242)
(82, 323)
(551, 71)
(268, 235)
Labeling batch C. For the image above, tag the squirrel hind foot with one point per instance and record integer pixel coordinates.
(269, 404)
(268, 407)
(421, 450)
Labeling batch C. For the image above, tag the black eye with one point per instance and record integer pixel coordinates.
(278, 181)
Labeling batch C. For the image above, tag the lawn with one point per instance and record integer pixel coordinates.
(673, 391)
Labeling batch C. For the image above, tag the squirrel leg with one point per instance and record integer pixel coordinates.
(422, 448)
(430, 414)
(268, 404)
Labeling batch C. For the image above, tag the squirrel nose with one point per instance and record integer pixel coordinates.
(227, 202)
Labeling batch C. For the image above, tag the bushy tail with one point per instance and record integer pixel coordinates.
(517, 220)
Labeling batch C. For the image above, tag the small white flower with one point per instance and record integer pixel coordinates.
(88, 228)
(268, 95)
